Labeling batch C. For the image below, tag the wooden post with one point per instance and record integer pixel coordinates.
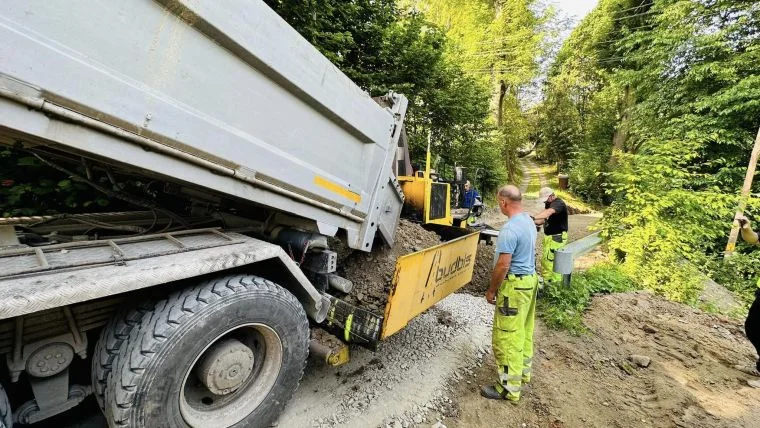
(731, 246)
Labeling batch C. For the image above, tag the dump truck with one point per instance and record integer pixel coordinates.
(256, 160)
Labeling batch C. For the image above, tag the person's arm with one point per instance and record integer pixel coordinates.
(498, 275)
(748, 235)
(505, 247)
(541, 217)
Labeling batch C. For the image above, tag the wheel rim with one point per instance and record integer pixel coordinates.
(200, 406)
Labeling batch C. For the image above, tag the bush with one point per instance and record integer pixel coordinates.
(738, 273)
(659, 227)
(562, 307)
(587, 177)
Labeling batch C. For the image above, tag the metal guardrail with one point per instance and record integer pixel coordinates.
(564, 258)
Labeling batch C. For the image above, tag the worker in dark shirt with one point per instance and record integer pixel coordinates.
(752, 324)
(554, 220)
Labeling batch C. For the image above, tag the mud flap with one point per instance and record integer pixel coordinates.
(424, 278)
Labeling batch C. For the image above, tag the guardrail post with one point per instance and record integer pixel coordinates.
(564, 258)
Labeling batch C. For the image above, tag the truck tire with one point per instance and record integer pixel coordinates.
(227, 352)
(112, 337)
(6, 418)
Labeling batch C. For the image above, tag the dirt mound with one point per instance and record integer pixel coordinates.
(594, 381)
(481, 274)
(372, 272)
(573, 210)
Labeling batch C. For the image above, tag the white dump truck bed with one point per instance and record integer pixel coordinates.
(218, 94)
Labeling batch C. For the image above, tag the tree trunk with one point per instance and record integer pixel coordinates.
(620, 137)
(499, 107)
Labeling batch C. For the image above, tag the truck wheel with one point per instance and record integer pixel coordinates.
(112, 337)
(228, 352)
(6, 418)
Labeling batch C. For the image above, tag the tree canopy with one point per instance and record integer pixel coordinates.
(653, 107)
(465, 66)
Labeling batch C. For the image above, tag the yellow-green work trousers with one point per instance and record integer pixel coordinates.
(513, 324)
(552, 243)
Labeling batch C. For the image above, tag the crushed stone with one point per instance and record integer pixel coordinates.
(406, 380)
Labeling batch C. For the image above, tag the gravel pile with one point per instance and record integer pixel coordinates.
(406, 379)
(481, 275)
(372, 273)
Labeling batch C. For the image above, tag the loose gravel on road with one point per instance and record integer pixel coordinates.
(406, 379)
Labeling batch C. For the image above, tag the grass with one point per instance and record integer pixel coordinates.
(573, 201)
(534, 185)
(519, 174)
(549, 172)
(562, 307)
(709, 307)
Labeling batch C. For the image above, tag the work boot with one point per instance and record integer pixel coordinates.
(488, 391)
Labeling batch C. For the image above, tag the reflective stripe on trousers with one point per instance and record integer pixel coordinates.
(513, 325)
(552, 243)
(527, 370)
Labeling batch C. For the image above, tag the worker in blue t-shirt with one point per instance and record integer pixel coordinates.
(513, 289)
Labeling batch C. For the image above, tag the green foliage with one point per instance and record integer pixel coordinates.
(499, 44)
(653, 106)
(675, 193)
(739, 273)
(581, 119)
(657, 226)
(28, 187)
(563, 307)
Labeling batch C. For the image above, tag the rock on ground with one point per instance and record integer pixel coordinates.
(406, 380)
(582, 382)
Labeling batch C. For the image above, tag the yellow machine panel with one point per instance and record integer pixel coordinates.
(428, 197)
(424, 278)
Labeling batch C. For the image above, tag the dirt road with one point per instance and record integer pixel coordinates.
(589, 381)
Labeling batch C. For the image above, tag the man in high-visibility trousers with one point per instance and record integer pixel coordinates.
(752, 324)
(513, 289)
(554, 220)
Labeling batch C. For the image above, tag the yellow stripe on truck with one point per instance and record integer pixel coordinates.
(337, 188)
